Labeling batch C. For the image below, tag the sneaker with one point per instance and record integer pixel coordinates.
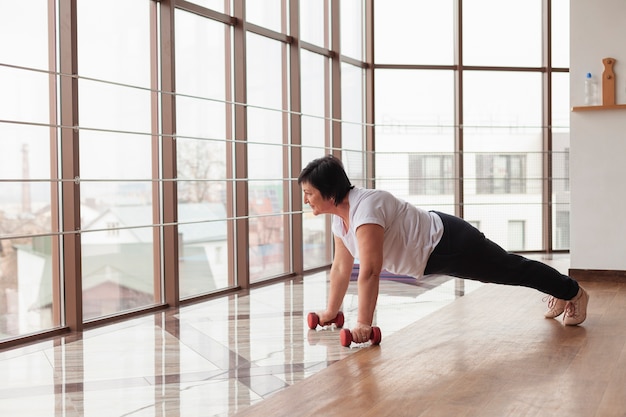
(576, 309)
(556, 306)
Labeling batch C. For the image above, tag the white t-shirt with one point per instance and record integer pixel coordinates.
(411, 233)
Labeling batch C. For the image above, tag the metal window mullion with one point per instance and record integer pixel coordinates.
(335, 99)
(70, 173)
(370, 133)
(328, 105)
(294, 160)
(335, 70)
(547, 127)
(242, 238)
(327, 78)
(287, 75)
(459, 192)
(155, 155)
(230, 150)
(171, 287)
(58, 316)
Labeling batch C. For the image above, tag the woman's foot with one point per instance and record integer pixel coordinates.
(576, 309)
(556, 306)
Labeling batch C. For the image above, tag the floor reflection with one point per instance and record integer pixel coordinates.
(210, 359)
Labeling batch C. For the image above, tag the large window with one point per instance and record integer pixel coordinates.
(466, 115)
(29, 265)
(156, 163)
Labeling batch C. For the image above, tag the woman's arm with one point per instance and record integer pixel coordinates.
(370, 238)
(340, 273)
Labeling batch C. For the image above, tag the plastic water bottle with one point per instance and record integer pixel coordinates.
(591, 91)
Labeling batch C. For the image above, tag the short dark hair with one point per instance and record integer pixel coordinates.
(328, 176)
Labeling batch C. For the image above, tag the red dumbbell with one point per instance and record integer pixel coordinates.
(375, 336)
(313, 320)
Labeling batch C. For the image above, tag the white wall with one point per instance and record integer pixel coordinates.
(598, 139)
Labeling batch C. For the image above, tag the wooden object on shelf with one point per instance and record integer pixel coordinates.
(608, 82)
(608, 90)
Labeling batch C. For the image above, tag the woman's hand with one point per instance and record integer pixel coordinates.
(325, 317)
(361, 333)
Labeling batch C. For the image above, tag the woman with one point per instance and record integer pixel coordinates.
(384, 232)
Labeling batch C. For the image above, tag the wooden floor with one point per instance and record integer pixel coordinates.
(490, 353)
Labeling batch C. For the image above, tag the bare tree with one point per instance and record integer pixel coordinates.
(201, 171)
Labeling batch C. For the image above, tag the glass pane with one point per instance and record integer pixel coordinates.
(118, 256)
(113, 107)
(201, 120)
(267, 251)
(407, 99)
(312, 22)
(502, 99)
(414, 123)
(203, 250)
(27, 22)
(423, 33)
(115, 173)
(352, 28)
(117, 267)
(25, 96)
(314, 112)
(265, 158)
(502, 33)
(121, 55)
(314, 131)
(266, 13)
(560, 33)
(26, 288)
(561, 108)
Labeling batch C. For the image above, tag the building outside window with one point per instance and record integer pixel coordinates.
(501, 174)
(517, 235)
(431, 174)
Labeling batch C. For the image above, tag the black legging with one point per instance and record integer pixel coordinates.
(465, 252)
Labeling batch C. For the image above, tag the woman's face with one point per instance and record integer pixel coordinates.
(314, 199)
